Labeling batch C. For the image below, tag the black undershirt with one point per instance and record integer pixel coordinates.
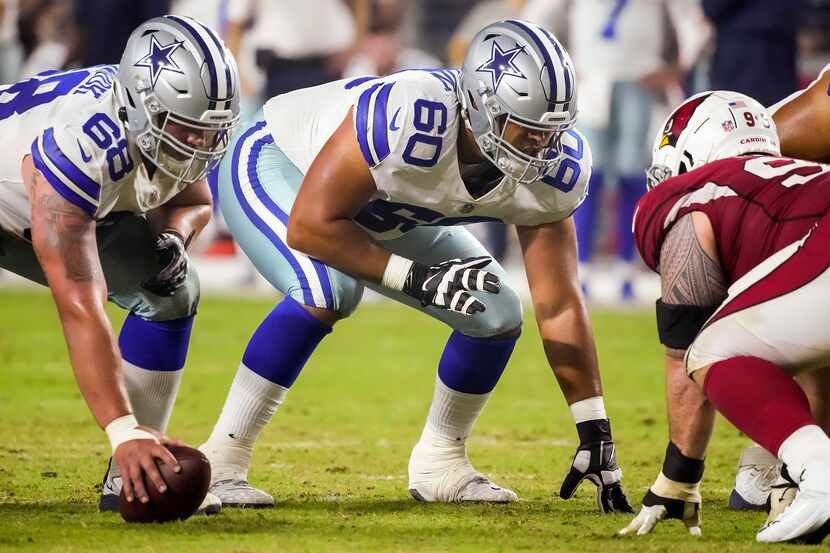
(479, 178)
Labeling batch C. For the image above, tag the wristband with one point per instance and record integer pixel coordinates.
(672, 489)
(397, 269)
(591, 432)
(589, 409)
(679, 468)
(123, 429)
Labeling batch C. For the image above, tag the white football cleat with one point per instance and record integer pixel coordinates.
(229, 476)
(807, 519)
(758, 470)
(240, 493)
(440, 473)
(111, 493)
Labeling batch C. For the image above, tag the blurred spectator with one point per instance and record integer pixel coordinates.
(618, 48)
(210, 12)
(11, 54)
(46, 34)
(105, 26)
(482, 14)
(755, 47)
(298, 44)
(381, 50)
(493, 235)
(437, 20)
(813, 40)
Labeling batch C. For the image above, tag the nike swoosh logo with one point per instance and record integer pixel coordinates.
(392, 126)
(84, 155)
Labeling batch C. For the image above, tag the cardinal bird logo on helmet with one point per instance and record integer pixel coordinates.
(679, 119)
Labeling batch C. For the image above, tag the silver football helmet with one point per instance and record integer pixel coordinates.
(518, 94)
(179, 86)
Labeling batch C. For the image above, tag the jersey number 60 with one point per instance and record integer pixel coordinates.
(429, 117)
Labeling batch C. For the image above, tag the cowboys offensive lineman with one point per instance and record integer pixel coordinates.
(363, 183)
(101, 190)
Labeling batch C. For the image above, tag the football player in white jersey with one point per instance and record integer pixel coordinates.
(365, 182)
(101, 190)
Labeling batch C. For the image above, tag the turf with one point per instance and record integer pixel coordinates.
(335, 455)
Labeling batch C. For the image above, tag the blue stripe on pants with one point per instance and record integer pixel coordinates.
(257, 221)
(272, 206)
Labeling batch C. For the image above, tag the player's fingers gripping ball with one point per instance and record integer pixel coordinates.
(185, 490)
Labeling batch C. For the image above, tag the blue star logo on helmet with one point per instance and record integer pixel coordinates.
(501, 64)
(160, 59)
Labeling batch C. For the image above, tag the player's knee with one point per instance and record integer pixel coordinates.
(349, 294)
(183, 303)
(338, 303)
(501, 319)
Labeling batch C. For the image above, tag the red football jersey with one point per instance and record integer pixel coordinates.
(756, 204)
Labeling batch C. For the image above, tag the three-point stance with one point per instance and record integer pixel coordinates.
(101, 190)
(364, 183)
(741, 239)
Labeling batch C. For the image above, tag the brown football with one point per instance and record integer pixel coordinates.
(185, 490)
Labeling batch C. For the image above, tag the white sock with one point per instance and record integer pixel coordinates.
(252, 401)
(805, 445)
(152, 394)
(452, 414)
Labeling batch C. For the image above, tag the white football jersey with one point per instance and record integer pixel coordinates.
(407, 127)
(68, 122)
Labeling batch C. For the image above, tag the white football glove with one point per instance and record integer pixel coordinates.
(677, 497)
(448, 284)
(650, 515)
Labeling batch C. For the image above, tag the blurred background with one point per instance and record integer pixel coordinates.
(634, 60)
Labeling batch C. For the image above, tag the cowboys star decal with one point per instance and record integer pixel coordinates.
(160, 59)
(501, 64)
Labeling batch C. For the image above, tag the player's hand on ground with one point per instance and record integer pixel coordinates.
(171, 251)
(137, 458)
(448, 284)
(675, 494)
(596, 461)
(656, 508)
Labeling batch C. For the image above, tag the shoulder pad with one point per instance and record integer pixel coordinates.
(568, 181)
(74, 158)
(392, 109)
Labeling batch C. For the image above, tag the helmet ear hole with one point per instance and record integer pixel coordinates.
(130, 97)
(472, 100)
(500, 120)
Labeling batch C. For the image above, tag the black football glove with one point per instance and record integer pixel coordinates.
(171, 253)
(596, 460)
(675, 494)
(447, 284)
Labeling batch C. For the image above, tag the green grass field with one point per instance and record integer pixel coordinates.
(335, 455)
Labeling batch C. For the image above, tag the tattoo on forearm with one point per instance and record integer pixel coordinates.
(65, 227)
(688, 275)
